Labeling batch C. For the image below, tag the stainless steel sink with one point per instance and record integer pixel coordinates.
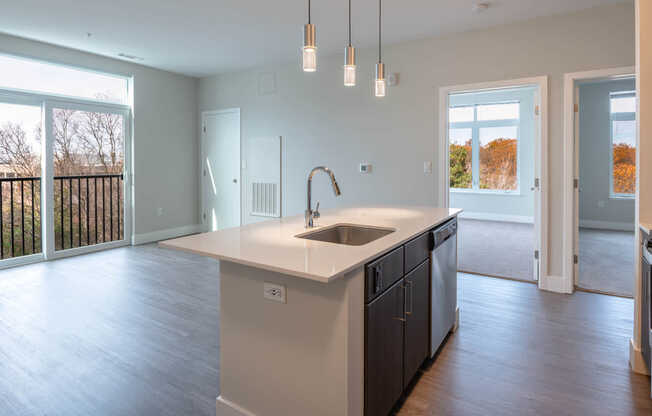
(347, 234)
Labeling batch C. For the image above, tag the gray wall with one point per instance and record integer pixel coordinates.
(324, 123)
(164, 137)
(596, 206)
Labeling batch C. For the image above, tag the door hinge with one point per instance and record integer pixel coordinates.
(576, 108)
(536, 254)
(204, 216)
(576, 183)
(536, 110)
(204, 172)
(204, 129)
(537, 183)
(576, 259)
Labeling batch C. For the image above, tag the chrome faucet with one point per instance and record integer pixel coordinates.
(310, 214)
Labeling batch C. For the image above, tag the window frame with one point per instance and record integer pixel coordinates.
(475, 127)
(18, 92)
(625, 116)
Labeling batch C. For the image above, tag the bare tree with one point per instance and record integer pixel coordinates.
(16, 151)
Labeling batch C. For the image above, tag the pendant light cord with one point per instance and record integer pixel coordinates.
(349, 22)
(308, 11)
(379, 29)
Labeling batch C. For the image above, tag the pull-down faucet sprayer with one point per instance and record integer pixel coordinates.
(310, 214)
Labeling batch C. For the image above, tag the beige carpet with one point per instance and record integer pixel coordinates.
(494, 248)
(607, 261)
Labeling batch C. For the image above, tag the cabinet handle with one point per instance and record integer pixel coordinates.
(403, 319)
(378, 278)
(411, 298)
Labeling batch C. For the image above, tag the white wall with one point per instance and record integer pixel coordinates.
(597, 208)
(324, 123)
(165, 134)
(518, 206)
(644, 161)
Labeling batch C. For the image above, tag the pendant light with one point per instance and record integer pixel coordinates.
(309, 48)
(380, 84)
(349, 59)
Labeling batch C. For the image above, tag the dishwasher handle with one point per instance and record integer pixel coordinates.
(442, 234)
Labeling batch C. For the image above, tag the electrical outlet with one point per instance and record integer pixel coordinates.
(159, 211)
(274, 292)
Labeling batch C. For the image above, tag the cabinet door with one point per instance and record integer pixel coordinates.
(417, 340)
(384, 351)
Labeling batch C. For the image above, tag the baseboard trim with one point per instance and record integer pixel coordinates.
(456, 325)
(607, 225)
(167, 234)
(555, 284)
(485, 216)
(225, 407)
(636, 359)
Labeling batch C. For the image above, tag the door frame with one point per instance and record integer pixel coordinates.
(540, 157)
(570, 154)
(202, 156)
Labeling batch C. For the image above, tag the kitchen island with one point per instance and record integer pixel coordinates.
(293, 311)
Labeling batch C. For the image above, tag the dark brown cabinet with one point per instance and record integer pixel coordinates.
(383, 273)
(397, 322)
(417, 340)
(384, 350)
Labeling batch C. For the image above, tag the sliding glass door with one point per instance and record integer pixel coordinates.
(20, 178)
(87, 158)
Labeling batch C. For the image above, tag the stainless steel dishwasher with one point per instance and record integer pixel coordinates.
(443, 243)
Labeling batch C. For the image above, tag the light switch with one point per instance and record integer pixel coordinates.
(365, 167)
(427, 167)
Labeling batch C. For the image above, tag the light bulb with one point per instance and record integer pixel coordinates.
(309, 59)
(349, 75)
(380, 87)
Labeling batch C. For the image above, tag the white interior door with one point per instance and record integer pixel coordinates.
(221, 169)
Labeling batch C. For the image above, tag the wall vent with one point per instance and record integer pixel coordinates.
(264, 199)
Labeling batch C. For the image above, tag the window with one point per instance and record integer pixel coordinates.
(623, 144)
(483, 147)
(86, 187)
(46, 78)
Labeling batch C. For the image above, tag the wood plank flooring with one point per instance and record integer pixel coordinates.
(134, 331)
(521, 351)
(130, 331)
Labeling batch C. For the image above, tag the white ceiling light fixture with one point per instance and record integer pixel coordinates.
(309, 45)
(349, 59)
(481, 7)
(380, 84)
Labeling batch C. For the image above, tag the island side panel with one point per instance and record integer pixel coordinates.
(301, 357)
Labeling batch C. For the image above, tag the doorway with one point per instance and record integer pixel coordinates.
(493, 151)
(605, 184)
(220, 164)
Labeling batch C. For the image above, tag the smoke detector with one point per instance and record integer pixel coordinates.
(480, 7)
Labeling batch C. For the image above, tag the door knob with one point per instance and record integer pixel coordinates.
(235, 181)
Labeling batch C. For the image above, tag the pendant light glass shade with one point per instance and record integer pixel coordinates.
(349, 59)
(349, 67)
(309, 49)
(380, 84)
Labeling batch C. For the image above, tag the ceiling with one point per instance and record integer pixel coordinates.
(201, 37)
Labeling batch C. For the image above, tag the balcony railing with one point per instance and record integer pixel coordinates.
(88, 210)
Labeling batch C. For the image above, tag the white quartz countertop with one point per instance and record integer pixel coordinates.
(272, 245)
